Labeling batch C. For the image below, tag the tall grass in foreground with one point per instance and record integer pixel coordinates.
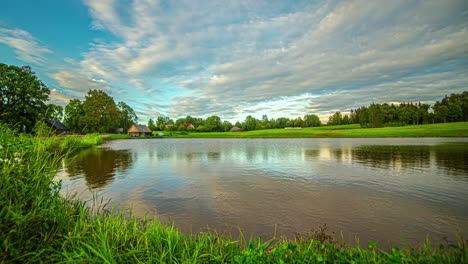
(38, 225)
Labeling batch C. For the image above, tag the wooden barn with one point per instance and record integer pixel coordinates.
(139, 131)
(58, 127)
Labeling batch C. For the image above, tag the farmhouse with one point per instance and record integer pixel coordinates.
(189, 125)
(236, 129)
(58, 127)
(139, 131)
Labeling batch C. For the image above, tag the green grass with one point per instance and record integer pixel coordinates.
(459, 129)
(37, 225)
(347, 131)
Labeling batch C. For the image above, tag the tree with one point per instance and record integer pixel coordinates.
(213, 123)
(312, 121)
(376, 116)
(335, 119)
(73, 113)
(100, 112)
(161, 122)
(22, 96)
(127, 116)
(250, 123)
(227, 125)
(54, 112)
(151, 125)
(441, 113)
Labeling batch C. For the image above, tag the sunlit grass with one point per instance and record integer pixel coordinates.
(459, 129)
(38, 225)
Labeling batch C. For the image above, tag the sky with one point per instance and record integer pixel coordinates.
(241, 57)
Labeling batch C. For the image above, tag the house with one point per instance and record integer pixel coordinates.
(58, 127)
(189, 125)
(236, 129)
(139, 131)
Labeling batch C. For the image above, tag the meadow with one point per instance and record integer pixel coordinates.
(37, 225)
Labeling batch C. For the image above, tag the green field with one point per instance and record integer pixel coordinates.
(459, 129)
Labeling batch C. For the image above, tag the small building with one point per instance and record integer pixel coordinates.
(58, 127)
(236, 129)
(139, 131)
(160, 134)
(189, 125)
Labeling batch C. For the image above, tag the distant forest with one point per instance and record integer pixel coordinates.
(453, 108)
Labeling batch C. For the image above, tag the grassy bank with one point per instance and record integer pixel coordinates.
(38, 225)
(347, 131)
(459, 129)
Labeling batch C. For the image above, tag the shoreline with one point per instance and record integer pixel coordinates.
(456, 130)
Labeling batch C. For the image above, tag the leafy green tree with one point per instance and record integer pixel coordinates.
(213, 123)
(73, 113)
(54, 112)
(180, 121)
(202, 129)
(335, 119)
(363, 116)
(127, 116)
(404, 114)
(376, 116)
(23, 96)
(151, 125)
(250, 123)
(455, 113)
(161, 122)
(345, 120)
(441, 113)
(312, 121)
(227, 126)
(101, 114)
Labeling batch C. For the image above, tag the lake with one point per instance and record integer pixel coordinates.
(376, 189)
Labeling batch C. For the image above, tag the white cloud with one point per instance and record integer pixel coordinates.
(77, 83)
(25, 46)
(60, 98)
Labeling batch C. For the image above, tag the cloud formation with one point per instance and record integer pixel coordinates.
(78, 84)
(25, 46)
(281, 58)
(242, 54)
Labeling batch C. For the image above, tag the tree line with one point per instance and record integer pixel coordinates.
(98, 113)
(23, 103)
(215, 124)
(453, 108)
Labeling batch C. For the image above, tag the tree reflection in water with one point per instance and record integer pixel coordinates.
(452, 157)
(98, 165)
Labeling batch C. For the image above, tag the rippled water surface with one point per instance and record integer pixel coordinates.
(377, 189)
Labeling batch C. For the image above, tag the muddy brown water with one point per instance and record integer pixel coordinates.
(384, 190)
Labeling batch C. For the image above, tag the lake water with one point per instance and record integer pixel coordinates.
(375, 189)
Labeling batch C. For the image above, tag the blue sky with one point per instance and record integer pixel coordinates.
(239, 58)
